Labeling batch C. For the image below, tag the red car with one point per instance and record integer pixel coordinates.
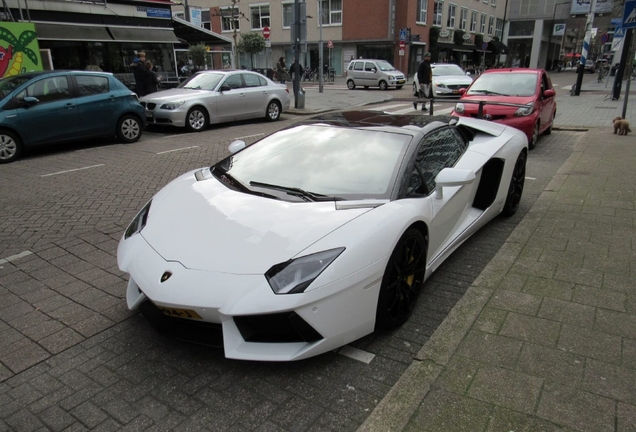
(529, 91)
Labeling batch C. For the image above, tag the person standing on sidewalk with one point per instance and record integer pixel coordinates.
(424, 78)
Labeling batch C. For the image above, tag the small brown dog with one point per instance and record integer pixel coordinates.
(621, 125)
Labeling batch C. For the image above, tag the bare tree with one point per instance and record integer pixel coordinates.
(234, 16)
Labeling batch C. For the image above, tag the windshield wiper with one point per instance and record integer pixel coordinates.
(227, 179)
(307, 196)
(487, 92)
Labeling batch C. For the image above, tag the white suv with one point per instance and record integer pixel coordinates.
(373, 73)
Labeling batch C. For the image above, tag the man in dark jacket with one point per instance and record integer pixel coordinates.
(141, 74)
(424, 77)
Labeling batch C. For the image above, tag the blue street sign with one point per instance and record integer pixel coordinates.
(403, 34)
(619, 32)
(629, 14)
(616, 21)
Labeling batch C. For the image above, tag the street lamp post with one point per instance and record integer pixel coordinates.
(586, 47)
(552, 32)
(320, 77)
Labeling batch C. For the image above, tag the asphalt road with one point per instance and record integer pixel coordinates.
(72, 356)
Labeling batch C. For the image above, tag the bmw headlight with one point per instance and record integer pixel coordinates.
(459, 108)
(294, 276)
(172, 105)
(525, 110)
(139, 222)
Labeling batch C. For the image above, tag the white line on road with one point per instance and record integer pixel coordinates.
(179, 149)
(249, 136)
(15, 257)
(356, 354)
(530, 178)
(68, 171)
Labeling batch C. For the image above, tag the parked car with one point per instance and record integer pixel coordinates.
(373, 73)
(319, 233)
(530, 90)
(589, 66)
(447, 80)
(217, 96)
(39, 108)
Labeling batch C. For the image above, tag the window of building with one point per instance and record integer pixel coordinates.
(226, 18)
(331, 11)
(421, 11)
(499, 28)
(287, 15)
(473, 21)
(493, 3)
(438, 11)
(482, 24)
(463, 18)
(491, 25)
(450, 21)
(259, 16)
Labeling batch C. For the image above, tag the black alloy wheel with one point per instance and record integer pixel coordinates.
(515, 190)
(402, 281)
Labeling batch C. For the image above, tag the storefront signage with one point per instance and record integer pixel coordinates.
(444, 34)
(19, 49)
(582, 7)
(155, 12)
(466, 36)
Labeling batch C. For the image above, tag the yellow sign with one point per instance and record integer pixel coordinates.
(19, 49)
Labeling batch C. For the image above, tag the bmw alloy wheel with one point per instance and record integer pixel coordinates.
(197, 120)
(273, 111)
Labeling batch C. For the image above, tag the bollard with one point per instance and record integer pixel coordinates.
(430, 107)
(300, 102)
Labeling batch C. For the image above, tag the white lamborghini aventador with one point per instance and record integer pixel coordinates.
(317, 234)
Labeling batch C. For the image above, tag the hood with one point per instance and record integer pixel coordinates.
(174, 94)
(453, 79)
(206, 226)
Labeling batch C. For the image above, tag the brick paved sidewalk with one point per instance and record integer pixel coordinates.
(546, 337)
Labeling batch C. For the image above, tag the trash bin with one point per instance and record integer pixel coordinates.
(300, 99)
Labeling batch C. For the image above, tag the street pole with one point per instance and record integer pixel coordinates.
(296, 51)
(618, 79)
(320, 77)
(552, 33)
(586, 48)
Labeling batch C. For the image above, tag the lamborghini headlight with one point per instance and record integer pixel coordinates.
(139, 222)
(459, 108)
(294, 276)
(172, 105)
(525, 110)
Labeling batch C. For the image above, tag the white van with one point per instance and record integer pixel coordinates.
(373, 73)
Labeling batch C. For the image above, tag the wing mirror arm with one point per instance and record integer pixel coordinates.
(449, 177)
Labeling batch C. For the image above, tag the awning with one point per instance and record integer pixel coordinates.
(143, 34)
(96, 33)
(455, 47)
(497, 47)
(69, 32)
(193, 34)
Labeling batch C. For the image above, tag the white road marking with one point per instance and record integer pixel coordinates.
(408, 109)
(530, 178)
(249, 136)
(356, 354)
(179, 149)
(71, 170)
(15, 257)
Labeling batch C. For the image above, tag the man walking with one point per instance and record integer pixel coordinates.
(424, 77)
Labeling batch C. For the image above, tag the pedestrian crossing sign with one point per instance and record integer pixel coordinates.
(629, 14)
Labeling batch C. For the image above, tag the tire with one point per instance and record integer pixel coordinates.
(197, 119)
(366, 87)
(416, 91)
(351, 85)
(272, 113)
(399, 87)
(10, 147)
(402, 280)
(535, 136)
(548, 131)
(515, 190)
(129, 129)
(383, 85)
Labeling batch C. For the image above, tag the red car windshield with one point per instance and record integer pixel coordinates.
(504, 84)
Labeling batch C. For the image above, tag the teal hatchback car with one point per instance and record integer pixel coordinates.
(45, 107)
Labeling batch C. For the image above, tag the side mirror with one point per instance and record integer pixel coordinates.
(225, 87)
(236, 146)
(30, 101)
(374, 70)
(449, 177)
(462, 91)
(549, 93)
(468, 73)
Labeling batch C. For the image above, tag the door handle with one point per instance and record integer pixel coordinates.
(69, 106)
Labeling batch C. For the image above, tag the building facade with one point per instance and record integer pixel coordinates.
(467, 31)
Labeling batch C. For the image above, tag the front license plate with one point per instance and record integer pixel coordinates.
(455, 91)
(179, 313)
(148, 114)
(401, 81)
